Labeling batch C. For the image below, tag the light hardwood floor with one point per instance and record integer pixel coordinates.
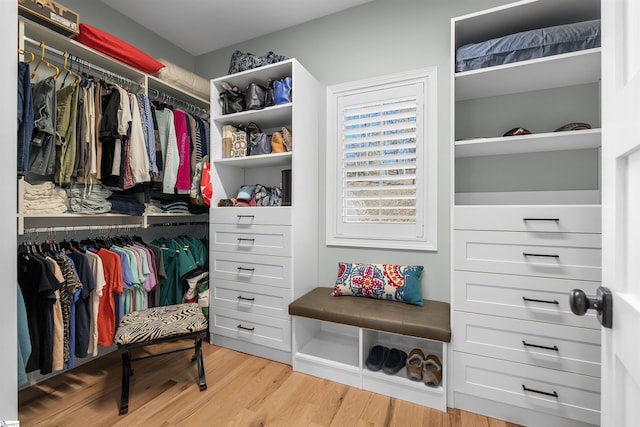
(243, 390)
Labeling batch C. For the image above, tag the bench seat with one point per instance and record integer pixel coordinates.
(429, 322)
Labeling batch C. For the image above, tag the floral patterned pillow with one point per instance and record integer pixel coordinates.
(382, 281)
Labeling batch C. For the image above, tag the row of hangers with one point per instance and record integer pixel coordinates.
(65, 67)
(51, 246)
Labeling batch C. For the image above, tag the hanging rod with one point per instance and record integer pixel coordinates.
(71, 229)
(84, 63)
(161, 96)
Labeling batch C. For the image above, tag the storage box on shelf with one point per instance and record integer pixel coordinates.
(519, 245)
(262, 257)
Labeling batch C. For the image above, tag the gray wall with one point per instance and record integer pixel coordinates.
(378, 38)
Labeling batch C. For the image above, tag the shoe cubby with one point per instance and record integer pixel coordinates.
(399, 385)
(339, 353)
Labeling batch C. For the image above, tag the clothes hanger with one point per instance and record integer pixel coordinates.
(47, 63)
(68, 69)
(26, 52)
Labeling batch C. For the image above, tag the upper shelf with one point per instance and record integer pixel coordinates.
(550, 141)
(269, 117)
(57, 41)
(567, 69)
(263, 160)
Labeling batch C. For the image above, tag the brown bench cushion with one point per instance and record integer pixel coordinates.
(430, 322)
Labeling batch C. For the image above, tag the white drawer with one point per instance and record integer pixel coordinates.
(249, 268)
(565, 348)
(523, 297)
(545, 218)
(254, 328)
(576, 396)
(256, 239)
(249, 298)
(247, 216)
(563, 255)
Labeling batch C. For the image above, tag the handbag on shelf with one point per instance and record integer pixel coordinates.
(287, 138)
(255, 97)
(269, 97)
(259, 143)
(242, 61)
(239, 144)
(282, 90)
(277, 143)
(231, 99)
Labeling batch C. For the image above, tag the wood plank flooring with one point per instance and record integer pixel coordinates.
(243, 390)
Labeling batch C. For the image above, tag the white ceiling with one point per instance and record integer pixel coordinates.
(202, 26)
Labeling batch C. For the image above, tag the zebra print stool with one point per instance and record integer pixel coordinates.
(158, 325)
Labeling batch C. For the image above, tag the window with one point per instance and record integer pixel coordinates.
(382, 162)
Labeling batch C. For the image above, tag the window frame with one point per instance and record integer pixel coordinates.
(339, 233)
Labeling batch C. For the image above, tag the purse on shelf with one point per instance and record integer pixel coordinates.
(277, 143)
(255, 97)
(239, 144)
(257, 141)
(242, 61)
(231, 99)
(282, 90)
(269, 97)
(287, 138)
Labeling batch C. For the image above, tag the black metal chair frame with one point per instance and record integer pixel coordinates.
(127, 370)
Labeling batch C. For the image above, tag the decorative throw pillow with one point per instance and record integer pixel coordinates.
(382, 281)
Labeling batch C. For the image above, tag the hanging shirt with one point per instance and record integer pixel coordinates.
(169, 145)
(66, 126)
(138, 154)
(183, 180)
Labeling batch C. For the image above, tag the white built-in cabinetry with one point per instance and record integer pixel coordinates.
(103, 66)
(524, 234)
(262, 258)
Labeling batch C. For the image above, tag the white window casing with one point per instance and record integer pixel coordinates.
(382, 162)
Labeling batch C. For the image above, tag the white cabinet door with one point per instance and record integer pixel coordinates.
(621, 210)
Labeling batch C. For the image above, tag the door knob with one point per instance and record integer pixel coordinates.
(602, 303)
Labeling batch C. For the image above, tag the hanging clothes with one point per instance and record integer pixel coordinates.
(66, 126)
(42, 149)
(25, 117)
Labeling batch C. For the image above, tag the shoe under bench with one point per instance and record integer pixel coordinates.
(332, 337)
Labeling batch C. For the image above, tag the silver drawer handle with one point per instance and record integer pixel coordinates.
(244, 239)
(540, 300)
(542, 255)
(526, 344)
(541, 219)
(240, 297)
(546, 393)
(246, 269)
(244, 328)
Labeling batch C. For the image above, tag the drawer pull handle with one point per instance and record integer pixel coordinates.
(245, 216)
(543, 255)
(244, 328)
(246, 269)
(244, 239)
(541, 219)
(540, 300)
(240, 297)
(546, 393)
(554, 348)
